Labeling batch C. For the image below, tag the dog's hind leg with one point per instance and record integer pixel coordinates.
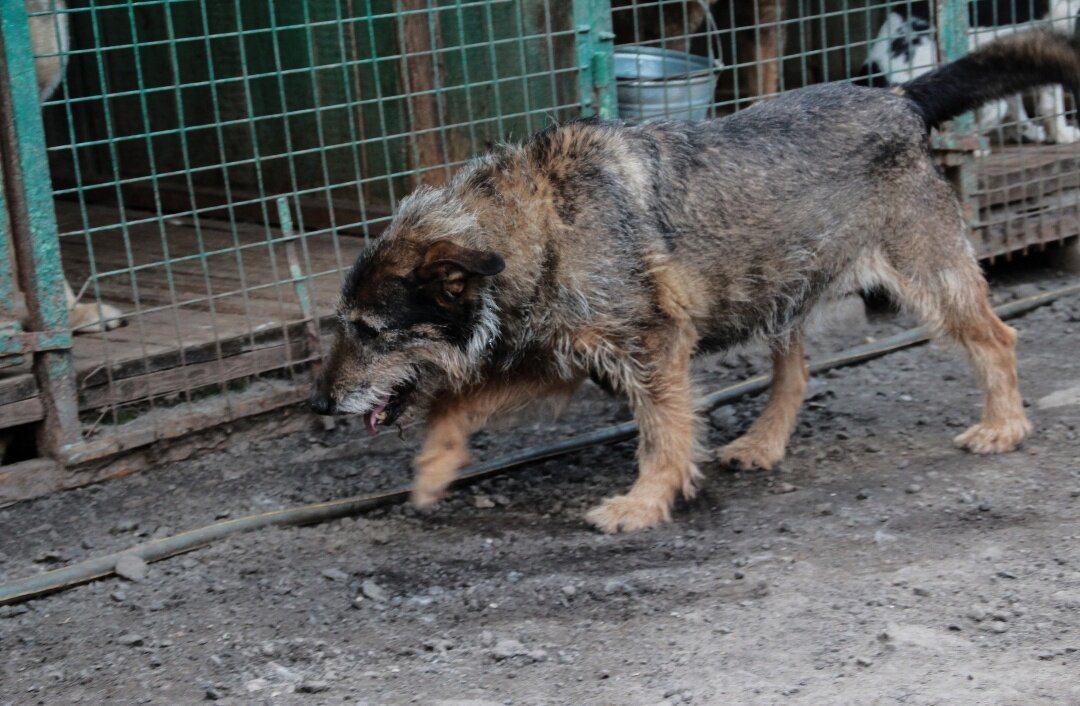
(940, 280)
(991, 346)
(667, 448)
(763, 445)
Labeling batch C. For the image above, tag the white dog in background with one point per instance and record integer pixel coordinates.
(50, 39)
(905, 48)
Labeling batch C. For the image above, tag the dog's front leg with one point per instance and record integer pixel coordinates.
(454, 419)
(1052, 111)
(444, 453)
(667, 447)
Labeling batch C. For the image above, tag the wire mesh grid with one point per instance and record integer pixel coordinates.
(1018, 169)
(215, 164)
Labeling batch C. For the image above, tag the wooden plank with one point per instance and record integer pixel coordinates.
(248, 204)
(418, 66)
(211, 412)
(195, 376)
(21, 412)
(15, 387)
(192, 354)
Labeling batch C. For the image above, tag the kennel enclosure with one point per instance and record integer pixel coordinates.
(211, 168)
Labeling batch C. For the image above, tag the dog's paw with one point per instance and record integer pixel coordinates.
(994, 438)
(89, 318)
(1031, 132)
(425, 498)
(1066, 134)
(628, 513)
(748, 454)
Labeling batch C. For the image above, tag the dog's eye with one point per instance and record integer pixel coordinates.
(363, 331)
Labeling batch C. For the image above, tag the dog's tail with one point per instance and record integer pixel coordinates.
(997, 70)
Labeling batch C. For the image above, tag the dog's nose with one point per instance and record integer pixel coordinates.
(321, 403)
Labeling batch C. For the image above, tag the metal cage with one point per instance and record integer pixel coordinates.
(204, 171)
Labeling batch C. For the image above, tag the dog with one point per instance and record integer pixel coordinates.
(617, 251)
(905, 48)
(50, 39)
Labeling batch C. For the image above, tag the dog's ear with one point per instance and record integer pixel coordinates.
(452, 264)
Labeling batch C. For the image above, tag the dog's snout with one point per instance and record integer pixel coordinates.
(321, 403)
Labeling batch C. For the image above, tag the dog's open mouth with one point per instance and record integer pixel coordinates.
(389, 408)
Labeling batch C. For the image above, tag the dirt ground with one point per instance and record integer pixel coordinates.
(878, 565)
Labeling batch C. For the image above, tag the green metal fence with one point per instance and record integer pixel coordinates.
(203, 170)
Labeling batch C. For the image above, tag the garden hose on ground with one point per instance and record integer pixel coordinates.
(82, 572)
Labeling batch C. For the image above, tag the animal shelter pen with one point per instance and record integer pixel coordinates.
(205, 170)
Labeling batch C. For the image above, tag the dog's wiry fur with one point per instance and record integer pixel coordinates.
(616, 251)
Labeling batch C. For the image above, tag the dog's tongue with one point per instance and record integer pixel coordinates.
(371, 418)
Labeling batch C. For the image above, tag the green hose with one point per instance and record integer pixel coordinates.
(154, 550)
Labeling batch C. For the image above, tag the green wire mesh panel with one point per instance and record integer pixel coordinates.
(1015, 161)
(216, 164)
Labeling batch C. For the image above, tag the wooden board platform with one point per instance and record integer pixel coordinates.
(1028, 195)
(192, 320)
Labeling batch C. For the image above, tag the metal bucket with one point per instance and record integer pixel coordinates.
(655, 82)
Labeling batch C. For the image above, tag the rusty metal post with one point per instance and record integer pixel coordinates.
(28, 190)
(10, 327)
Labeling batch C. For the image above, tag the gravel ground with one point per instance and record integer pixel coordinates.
(878, 565)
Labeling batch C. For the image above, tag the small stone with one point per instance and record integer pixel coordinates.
(1006, 575)
(999, 628)
(864, 662)
(10, 611)
(985, 506)
(253, 685)
(312, 687)
(615, 586)
(977, 613)
(118, 596)
(507, 648)
(130, 640)
(335, 575)
(125, 526)
(374, 591)
(131, 568)
(913, 489)
(920, 591)
(862, 494)
(568, 590)
(213, 693)
(439, 645)
(487, 638)
(824, 509)
(782, 488)
(483, 502)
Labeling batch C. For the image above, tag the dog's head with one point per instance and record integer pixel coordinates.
(417, 314)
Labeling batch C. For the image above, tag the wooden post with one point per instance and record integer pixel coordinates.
(428, 154)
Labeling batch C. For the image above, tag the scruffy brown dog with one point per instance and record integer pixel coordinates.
(617, 251)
